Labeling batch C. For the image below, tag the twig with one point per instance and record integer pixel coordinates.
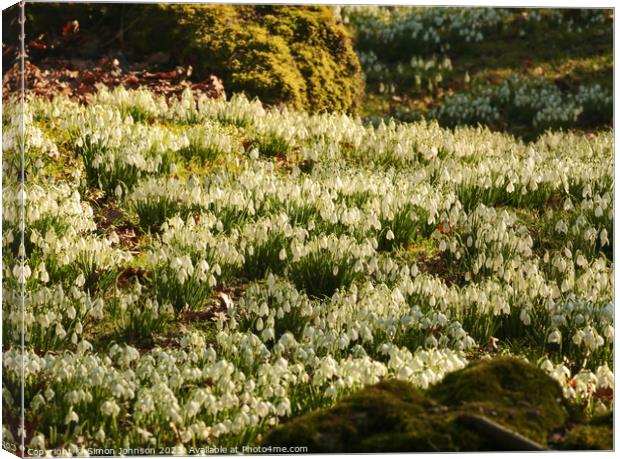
(507, 438)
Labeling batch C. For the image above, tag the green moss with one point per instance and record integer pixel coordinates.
(300, 56)
(589, 437)
(514, 392)
(393, 416)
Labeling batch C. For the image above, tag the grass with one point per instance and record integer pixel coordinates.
(320, 274)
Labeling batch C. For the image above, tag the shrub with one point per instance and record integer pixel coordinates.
(301, 56)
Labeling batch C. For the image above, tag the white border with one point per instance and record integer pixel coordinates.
(497, 3)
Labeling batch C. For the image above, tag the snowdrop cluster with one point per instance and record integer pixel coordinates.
(140, 101)
(54, 316)
(187, 260)
(116, 159)
(584, 385)
(208, 142)
(539, 103)
(421, 28)
(419, 72)
(392, 31)
(485, 242)
(57, 206)
(584, 20)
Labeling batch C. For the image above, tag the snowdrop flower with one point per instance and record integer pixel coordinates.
(555, 337)
(604, 238)
(100, 435)
(80, 280)
(110, 408)
(71, 416)
(525, 317)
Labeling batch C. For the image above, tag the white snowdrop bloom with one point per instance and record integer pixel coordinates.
(100, 435)
(60, 331)
(558, 320)
(598, 213)
(578, 337)
(547, 366)
(605, 377)
(422, 380)
(561, 227)
(71, 416)
(71, 312)
(525, 317)
(44, 276)
(579, 319)
(608, 333)
(397, 296)
(49, 394)
(267, 334)
(554, 337)
(405, 373)
(431, 341)
(331, 392)
(283, 407)
(203, 266)
(581, 261)
(80, 280)
(604, 237)
(263, 309)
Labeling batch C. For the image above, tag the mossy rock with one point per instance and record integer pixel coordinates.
(515, 393)
(297, 55)
(393, 416)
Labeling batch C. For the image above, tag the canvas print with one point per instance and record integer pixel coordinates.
(297, 229)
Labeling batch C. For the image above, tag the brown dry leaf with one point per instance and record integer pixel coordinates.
(77, 78)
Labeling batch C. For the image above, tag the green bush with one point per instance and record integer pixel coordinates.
(300, 56)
